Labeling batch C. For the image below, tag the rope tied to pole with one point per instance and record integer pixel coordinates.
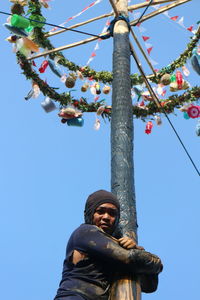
(110, 30)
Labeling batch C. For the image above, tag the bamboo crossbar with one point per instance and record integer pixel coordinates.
(130, 8)
(82, 42)
(159, 11)
(63, 47)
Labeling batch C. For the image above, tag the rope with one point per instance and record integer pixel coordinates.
(58, 26)
(143, 13)
(112, 24)
(162, 108)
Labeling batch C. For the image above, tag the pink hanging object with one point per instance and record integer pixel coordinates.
(179, 79)
(193, 111)
(149, 127)
(43, 66)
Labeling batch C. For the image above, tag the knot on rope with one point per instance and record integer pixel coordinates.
(110, 30)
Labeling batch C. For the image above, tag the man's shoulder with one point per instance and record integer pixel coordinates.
(86, 228)
(83, 233)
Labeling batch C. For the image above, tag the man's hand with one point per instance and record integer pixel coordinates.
(128, 243)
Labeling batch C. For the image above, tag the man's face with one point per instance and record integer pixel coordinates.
(105, 216)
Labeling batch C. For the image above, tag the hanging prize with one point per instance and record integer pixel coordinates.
(193, 111)
(149, 127)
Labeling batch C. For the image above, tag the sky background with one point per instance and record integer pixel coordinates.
(48, 169)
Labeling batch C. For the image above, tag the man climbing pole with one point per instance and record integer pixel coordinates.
(95, 253)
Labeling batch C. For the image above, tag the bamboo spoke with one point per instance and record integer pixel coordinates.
(49, 34)
(132, 7)
(159, 11)
(143, 53)
(63, 47)
(82, 42)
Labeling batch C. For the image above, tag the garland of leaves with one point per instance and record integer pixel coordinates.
(175, 101)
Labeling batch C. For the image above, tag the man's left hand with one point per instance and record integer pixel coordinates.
(128, 243)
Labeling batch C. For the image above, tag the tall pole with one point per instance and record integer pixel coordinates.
(122, 178)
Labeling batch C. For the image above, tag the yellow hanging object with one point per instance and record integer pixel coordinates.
(106, 89)
(44, 3)
(165, 79)
(85, 87)
(11, 39)
(21, 2)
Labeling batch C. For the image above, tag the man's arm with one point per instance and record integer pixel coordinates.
(91, 240)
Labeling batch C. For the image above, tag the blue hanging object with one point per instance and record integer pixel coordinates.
(15, 30)
(195, 61)
(48, 105)
(198, 128)
(79, 122)
(54, 69)
(138, 89)
(186, 116)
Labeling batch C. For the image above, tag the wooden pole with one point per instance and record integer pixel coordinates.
(122, 179)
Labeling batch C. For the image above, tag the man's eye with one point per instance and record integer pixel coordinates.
(113, 213)
(100, 211)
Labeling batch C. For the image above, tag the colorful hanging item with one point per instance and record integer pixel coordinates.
(54, 68)
(23, 49)
(198, 129)
(186, 116)
(106, 89)
(158, 120)
(98, 90)
(48, 105)
(30, 45)
(165, 79)
(43, 66)
(70, 81)
(78, 122)
(179, 79)
(15, 30)
(193, 111)
(195, 60)
(85, 87)
(97, 124)
(70, 112)
(19, 22)
(149, 127)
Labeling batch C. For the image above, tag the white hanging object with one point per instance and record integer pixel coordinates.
(48, 105)
(158, 120)
(185, 70)
(36, 90)
(63, 78)
(97, 124)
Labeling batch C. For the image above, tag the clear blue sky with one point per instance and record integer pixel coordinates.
(48, 169)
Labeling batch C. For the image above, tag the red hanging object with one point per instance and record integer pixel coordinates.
(193, 111)
(149, 50)
(190, 28)
(174, 18)
(179, 79)
(149, 127)
(43, 66)
(145, 38)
